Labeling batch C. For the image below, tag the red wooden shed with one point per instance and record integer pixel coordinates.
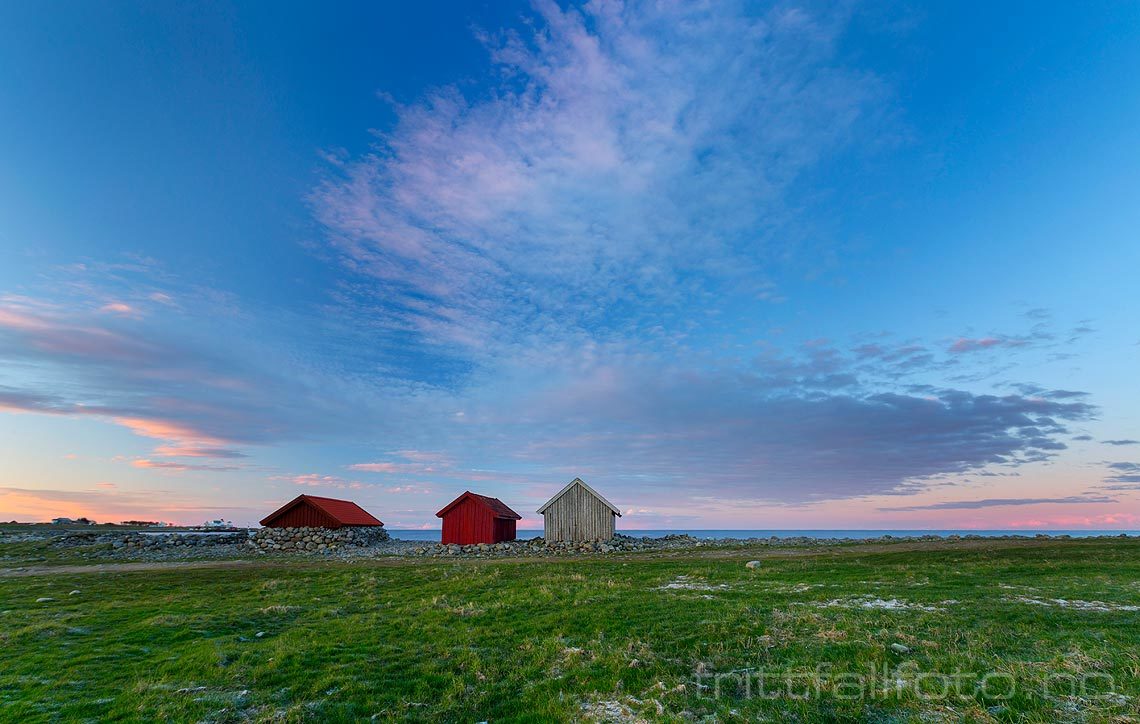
(473, 518)
(311, 511)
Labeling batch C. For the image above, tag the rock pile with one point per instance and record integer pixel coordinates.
(317, 540)
(72, 540)
(540, 547)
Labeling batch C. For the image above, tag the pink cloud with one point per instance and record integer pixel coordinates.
(43, 331)
(169, 430)
(1104, 520)
(418, 462)
(118, 308)
(145, 464)
(317, 480)
(404, 489)
(965, 344)
(193, 451)
(380, 467)
(16, 320)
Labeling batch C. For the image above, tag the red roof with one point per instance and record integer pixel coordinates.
(344, 512)
(497, 507)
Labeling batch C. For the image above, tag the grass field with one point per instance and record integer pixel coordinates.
(972, 631)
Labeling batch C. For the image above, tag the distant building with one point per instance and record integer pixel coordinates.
(62, 521)
(311, 511)
(578, 513)
(473, 518)
(219, 523)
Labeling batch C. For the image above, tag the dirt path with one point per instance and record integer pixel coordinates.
(758, 552)
(121, 567)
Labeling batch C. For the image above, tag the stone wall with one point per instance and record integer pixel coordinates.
(150, 541)
(317, 539)
(156, 541)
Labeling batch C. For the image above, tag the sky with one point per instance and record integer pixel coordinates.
(736, 265)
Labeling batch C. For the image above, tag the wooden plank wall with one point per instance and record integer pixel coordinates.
(468, 523)
(578, 516)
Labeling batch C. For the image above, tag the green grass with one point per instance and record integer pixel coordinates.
(468, 641)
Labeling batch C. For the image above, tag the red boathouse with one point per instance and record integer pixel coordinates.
(473, 518)
(311, 511)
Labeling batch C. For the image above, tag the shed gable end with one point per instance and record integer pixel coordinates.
(578, 513)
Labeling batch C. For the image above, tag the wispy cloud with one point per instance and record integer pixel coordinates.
(177, 467)
(409, 462)
(1003, 502)
(627, 156)
(974, 345)
(316, 480)
(196, 381)
(118, 308)
(1124, 476)
(196, 451)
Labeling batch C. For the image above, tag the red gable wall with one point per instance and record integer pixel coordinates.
(472, 519)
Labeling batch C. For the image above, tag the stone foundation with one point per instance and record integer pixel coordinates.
(531, 547)
(316, 540)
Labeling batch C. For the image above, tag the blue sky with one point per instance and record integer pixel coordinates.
(736, 265)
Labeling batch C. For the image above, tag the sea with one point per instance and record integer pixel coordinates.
(855, 534)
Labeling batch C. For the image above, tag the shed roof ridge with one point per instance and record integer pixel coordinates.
(359, 516)
(497, 507)
(571, 484)
(323, 497)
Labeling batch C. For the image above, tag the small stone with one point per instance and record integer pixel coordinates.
(900, 649)
(752, 565)
(74, 593)
(45, 599)
(190, 690)
(259, 634)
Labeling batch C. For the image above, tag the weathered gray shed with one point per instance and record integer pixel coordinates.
(578, 513)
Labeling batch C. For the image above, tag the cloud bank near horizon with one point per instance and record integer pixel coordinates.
(815, 423)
